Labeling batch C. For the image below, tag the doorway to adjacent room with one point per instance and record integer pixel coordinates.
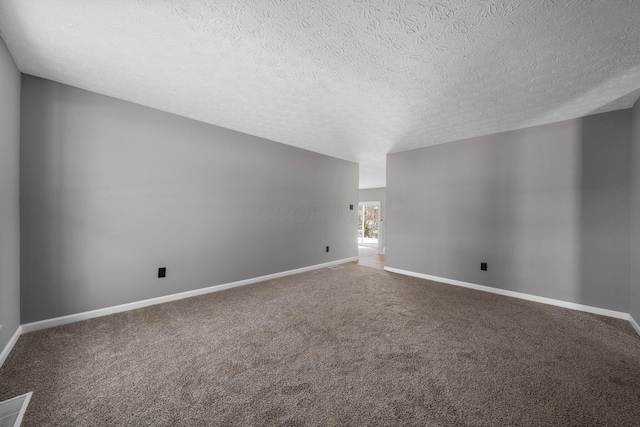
(369, 235)
(368, 224)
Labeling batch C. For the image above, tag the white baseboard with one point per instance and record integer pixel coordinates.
(63, 320)
(634, 324)
(7, 349)
(528, 297)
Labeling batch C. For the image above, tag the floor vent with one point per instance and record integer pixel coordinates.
(12, 410)
(335, 267)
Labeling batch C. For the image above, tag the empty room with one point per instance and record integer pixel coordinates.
(319, 213)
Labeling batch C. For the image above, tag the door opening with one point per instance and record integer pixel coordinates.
(368, 224)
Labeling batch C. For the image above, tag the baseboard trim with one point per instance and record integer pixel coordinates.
(634, 324)
(519, 295)
(72, 318)
(12, 342)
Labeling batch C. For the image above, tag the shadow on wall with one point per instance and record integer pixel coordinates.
(50, 251)
(604, 259)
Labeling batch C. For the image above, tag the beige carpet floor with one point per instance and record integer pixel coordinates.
(351, 346)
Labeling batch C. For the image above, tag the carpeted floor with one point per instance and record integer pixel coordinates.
(350, 346)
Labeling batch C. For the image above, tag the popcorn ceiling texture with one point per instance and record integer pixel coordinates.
(351, 79)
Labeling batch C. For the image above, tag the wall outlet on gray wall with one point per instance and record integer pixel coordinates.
(162, 272)
(483, 266)
(327, 248)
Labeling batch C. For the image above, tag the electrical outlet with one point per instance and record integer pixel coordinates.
(483, 266)
(162, 272)
(327, 248)
(350, 207)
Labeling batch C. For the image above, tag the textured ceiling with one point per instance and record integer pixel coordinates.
(354, 79)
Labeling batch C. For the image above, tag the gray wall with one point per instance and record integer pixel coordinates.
(547, 207)
(9, 196)
(111, 191)
(634, 300)
(377, 195)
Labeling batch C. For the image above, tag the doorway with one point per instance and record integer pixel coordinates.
(369, 235)
(368, 224)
